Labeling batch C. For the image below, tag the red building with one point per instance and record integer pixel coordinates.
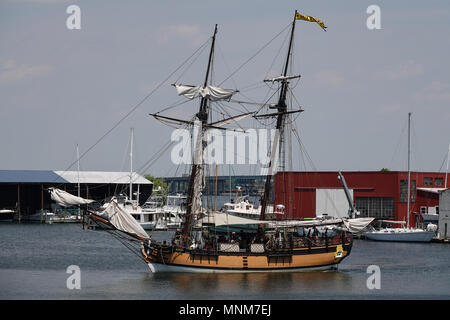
(378, 194)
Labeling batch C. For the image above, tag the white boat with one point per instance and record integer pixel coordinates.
(147, 217)
(174, 210)
(42, 216)
(6, 215)
(66, 216)
(404, 234)
(169, 215)
(400, 235)
(241, 207)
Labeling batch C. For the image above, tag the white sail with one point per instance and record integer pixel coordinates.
(357, 225)
(122, 220)
(66, 199)
(210, 92)
(223, 122)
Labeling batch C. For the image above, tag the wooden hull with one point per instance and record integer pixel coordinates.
(302, 259)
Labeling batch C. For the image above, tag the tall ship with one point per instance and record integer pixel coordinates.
(212, 241)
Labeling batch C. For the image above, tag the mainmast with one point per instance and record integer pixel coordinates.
(131, 164)
(409, 172)
(282, 110)
(202, 116)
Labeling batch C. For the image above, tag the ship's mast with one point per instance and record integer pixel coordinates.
(202, 116)
(131, 164)
(282, 109)
(409, 172)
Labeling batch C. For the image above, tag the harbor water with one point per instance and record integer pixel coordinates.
(34, 259)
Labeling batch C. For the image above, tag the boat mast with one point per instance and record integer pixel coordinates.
(409, 173)
(131, 164)
(446, 171)
(78, 167)
(202, 115)
(282, 108)
(78, 184)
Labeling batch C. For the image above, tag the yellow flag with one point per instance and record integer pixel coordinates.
(299, 16)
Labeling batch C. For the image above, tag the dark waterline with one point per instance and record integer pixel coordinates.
(34, 259)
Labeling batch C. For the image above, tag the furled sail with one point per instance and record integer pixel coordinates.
(357, 225)
(210, 92)
(66, 199)
(122, 220)
(351, 225)
(199, 180)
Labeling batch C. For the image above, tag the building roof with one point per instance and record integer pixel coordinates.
(432, 190)
(49, 176)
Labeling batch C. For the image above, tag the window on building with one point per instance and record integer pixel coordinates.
(375, 207)
(439, 182)
(404, 190)
(427, 181)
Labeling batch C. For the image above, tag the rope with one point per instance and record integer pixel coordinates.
(135, 107)
(123, 240)
(254, 55)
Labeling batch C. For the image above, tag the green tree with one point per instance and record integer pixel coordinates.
(158, 184)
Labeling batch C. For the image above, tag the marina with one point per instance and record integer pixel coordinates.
(250, 164)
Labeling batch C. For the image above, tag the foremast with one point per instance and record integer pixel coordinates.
(199, 144)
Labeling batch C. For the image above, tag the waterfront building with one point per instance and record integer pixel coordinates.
(444, 215)
(25, 191)
(226, 185)
(377, 194)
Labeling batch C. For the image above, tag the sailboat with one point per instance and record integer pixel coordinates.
(204, 243)
(146, 218)
(404, 233)
(201, 246)
(64, 211)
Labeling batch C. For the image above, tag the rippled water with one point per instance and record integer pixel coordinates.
(34, 259)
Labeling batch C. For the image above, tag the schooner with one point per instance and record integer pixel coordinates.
(204, 243)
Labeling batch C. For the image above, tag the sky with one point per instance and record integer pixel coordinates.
(61, 87)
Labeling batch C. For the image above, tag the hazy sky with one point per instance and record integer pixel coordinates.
(61, 87)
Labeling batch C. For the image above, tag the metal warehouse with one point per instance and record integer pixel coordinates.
(26, 190)
(378, 194)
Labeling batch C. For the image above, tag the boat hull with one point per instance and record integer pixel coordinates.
(147, 225)
(6, 215)
(304, 259)
(424, 236)
(158, 267)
